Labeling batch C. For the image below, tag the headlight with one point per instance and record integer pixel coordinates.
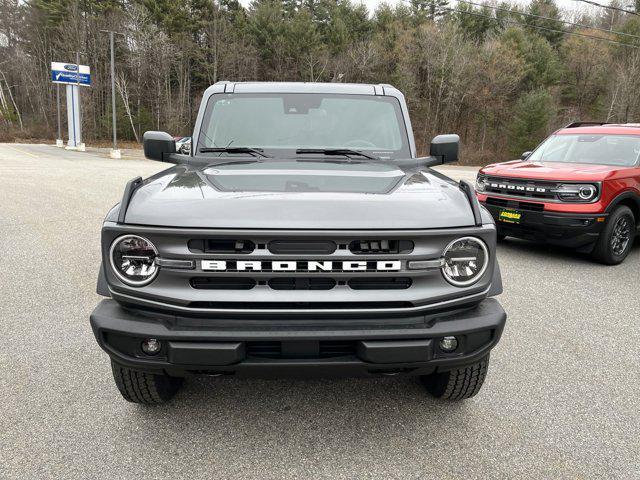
(481, 183)
(133, 260)
(464, 261)
(577, 192)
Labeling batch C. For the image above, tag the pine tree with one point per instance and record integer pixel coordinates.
(430, 9)
(554, 28)
(531, 118)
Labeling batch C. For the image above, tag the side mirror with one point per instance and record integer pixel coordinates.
(185, 148)
(158, 144)
(445, 148)
(525, 155)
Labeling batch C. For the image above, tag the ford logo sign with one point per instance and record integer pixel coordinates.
(71, 68)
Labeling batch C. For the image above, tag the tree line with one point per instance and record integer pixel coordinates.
(503, 75)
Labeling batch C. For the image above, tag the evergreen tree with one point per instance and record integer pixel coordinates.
(531, 117)
(476, 27)
(428, 9)
(542, 65)
(554, 28)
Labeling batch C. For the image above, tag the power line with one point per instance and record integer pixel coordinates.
(540, 28)
(610, 7)
(547, 18)
(514, 22)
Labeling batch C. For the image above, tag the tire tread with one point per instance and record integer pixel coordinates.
(460, 383)
(144, 387)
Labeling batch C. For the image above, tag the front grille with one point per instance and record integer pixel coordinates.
(222, 283)
(321, 349)
(299, 283)
(337, 349)
(515, 204)
(302, 247)
(360, 247)
(302, 283)
(264, 349)
(271, 273)
(517, 187)
(221, 246)
(382, 283)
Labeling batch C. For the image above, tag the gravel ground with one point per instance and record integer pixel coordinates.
(561, 399)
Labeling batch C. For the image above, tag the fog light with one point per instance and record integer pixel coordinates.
(448, 344)
(151, 346)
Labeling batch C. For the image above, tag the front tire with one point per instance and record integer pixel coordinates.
(616, 239)
(144, 387)
(458, 384)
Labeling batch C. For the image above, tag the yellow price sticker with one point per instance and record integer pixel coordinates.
(510, 216)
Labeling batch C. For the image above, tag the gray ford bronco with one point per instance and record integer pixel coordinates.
(301, 236)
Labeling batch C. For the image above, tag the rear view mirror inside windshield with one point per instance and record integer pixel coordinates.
(589, 138)
(300, 105)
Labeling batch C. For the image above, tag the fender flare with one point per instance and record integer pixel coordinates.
(102, 288)
(623, 196)
(496, 281)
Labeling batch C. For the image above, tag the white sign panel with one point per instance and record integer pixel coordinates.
(70, 74)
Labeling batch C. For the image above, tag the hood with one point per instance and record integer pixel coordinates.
(550, 170)
(294, 194)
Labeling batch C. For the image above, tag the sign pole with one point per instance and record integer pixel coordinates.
(79, 143)
(59, 141)
(115, 153)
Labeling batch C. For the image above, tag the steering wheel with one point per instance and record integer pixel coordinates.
(360, 143)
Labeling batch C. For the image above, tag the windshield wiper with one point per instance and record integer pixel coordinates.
(256, 152)
(346, 152)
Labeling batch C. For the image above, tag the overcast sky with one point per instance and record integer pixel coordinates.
(563, 4)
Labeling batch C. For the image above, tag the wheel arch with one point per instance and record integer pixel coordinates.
(629, 199)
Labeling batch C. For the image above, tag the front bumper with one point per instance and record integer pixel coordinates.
(574, 230)
(281, 347)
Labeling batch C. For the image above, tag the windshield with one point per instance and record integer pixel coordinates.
(623, 150)
(282, 123)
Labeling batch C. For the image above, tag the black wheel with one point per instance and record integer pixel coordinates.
(143, 387)
(614, 242)
(457, 384)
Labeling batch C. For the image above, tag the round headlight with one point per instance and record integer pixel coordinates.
(133, 260)
(481, 184)
(464, 261)
(587, 192)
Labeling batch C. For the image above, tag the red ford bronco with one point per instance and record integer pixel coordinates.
(579, 188)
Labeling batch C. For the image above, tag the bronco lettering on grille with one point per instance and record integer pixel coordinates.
(524, 188)
(300, 266)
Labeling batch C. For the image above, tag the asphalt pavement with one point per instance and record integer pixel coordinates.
(561, 399)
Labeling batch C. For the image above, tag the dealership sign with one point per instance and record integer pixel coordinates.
(70, 74)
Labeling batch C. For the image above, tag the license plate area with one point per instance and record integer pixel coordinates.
(509, 215)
